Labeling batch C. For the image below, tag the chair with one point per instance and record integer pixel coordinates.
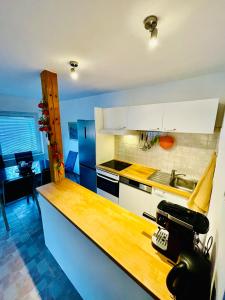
(69, 167)
(2, 165)
(45, 176)
(70, 161)
(2, 206)
(22, 187)
(24, 156)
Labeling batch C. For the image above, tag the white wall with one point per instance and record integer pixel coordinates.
(216, 217)
(199, 146)
(206, 86)
(12, 103)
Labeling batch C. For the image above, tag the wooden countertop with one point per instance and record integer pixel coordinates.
(141, 173)
(122, 235)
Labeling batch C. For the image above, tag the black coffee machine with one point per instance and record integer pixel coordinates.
(190, 278)
(177, 239)
(178, 229)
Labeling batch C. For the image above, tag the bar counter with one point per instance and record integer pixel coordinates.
(119, 243)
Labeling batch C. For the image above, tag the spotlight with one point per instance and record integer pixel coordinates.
(150, 24)
(73, 71)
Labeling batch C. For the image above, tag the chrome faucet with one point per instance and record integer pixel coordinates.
(173, 176)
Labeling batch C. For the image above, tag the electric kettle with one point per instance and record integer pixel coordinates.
(190, 277)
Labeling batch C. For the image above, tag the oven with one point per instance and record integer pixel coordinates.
(108, 185)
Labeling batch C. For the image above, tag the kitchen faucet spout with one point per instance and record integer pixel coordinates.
(173, 176)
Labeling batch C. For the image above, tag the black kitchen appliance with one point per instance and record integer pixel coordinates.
(178, 229)
(190, 277)
(116, 165)
(108, 181)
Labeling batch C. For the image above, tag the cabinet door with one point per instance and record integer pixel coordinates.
(190, 116)
(115, 117)
(145, 117)
(159, 195)
(134, 200)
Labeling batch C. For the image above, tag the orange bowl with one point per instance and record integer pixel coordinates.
(166, 141)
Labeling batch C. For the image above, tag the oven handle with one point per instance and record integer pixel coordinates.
(107, 178)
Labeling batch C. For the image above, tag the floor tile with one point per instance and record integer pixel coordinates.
(28, 271)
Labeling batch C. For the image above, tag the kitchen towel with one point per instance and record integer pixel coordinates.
(199, 200)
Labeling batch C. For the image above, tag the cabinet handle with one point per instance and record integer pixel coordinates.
(107, 178)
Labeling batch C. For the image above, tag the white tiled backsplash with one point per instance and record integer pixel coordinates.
(190, 154)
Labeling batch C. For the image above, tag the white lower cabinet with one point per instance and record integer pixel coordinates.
(138, 201)
(134, 200)
(159, 195)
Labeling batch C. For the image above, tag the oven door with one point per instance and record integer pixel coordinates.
(108, 183)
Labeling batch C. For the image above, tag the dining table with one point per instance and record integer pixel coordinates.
(13, 176)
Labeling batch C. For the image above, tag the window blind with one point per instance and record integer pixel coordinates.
(18, 134)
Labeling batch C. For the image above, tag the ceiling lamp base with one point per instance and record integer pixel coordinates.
(150, 24)
(74, 65)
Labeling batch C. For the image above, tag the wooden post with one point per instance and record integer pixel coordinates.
(50, 95)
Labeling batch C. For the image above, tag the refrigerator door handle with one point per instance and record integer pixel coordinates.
(85, 132)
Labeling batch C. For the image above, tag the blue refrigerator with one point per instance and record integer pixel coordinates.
(87, 153)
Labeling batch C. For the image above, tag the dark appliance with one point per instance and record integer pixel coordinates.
(87, 153)
(190, 277)
(137, 185)
(108, 182)
(116, 165)
(108, 185)
(178, 230)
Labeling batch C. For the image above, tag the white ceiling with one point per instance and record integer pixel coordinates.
(108, 39)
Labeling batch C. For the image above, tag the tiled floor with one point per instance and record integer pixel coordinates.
(27, 269)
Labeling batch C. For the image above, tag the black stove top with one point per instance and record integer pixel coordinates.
(116, 165)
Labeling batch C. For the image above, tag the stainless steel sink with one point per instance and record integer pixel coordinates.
(178, 182)
(160, 177)
(184, 184)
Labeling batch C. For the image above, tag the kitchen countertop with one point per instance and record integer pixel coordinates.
(141, 173)
(122, 235)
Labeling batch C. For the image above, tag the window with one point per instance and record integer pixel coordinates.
(18, 133)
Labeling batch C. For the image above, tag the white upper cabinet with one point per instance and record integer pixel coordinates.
(145, 117)
(190, 116)
(115, 118)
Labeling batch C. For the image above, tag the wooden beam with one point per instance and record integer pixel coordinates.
(50, 95)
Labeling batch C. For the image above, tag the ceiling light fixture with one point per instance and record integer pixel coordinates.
(150, 24)
(73, 72)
